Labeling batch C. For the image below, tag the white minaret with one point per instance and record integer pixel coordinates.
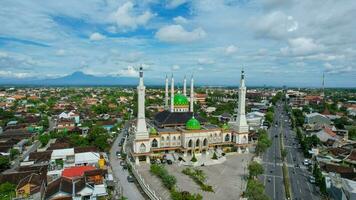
(185, 87)
(141, 132)
(241, 123)
(191, 108)
(166, 95)
(172, 94)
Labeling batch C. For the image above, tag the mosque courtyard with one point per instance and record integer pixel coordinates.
(227, 178)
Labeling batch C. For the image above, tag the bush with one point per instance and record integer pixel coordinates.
(199, 178)
(194, 159)
(184, 195)
(168, 180)
(215, 157)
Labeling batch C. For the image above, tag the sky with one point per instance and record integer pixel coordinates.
(276, 42)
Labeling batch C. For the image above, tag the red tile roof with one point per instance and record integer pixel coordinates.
(329, 132)
(78, 171)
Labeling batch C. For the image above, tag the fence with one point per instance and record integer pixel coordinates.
(144, 186)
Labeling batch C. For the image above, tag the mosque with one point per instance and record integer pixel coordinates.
(178, 129)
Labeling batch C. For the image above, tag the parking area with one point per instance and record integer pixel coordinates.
(227, 179)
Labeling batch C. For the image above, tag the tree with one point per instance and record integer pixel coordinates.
(255, 169)
(44, 139)
(14, 153)
(341, 122)
(352, 133)
(255, 190)
(284, 153)
(269, 117)
(263, 142)
(7, 191)
(4, 163)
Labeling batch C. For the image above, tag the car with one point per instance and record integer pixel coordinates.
(311, 179)
(169, 162)
(130, 178)
(122, 163)
(269, 179)
(120, 144)
(297, 166)
(276, 136)
(306, 162)
(271, 171)
(124, 166)
(118, 154)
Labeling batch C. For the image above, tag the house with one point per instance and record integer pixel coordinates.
(70, 115)
(312, 100)
(201, 98)
(326, 134)
(65, 124)
(255, 120)
(64, 188)
(65, 155)
(341, 188)
(31, 186)
(87, 158)
(76, 172)
(317, 119)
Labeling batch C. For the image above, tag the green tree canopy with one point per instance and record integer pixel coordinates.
(255, 169)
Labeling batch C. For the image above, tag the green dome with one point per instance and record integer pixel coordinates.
(180, 100)
(153, 131)
(193, 124)
(225, 127)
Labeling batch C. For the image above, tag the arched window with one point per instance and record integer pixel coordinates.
(178, 137)
(162, 139)
(142, 148)
(174, 138)
(205, 142)
(167, 138)
(227, 137)
(244, 139)
(154, 143)
(197, 143)
(190, 143)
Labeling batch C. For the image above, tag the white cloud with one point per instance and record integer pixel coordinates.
(331, 69)
(130, 71)
(125, 16)
(177, 34)
(60, 52)
(96, 37)
(205, 61)
(301, 46)
(230, 49)
(180, 20)
(175, 67)
(175, 3)
(10, 74)
(275, 25)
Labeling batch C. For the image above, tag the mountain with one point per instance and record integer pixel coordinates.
(76, 78)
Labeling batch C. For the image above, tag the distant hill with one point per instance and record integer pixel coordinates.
(76, 78)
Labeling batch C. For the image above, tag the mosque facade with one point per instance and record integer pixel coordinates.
(178, 129)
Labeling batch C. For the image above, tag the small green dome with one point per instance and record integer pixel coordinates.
(180, 100)
(193, 124)
(225, 126)
(153, 131)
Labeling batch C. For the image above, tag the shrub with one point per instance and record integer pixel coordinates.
(215, 157)
(194, 159)
(168, 180)
(184, 195)
(199, 178)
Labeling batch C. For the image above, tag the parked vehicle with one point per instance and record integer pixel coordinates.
(130, 179)
(169, 162)
(311, 179)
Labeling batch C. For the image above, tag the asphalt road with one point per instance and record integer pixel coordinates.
(298, 175)
(273, 176)
(130, 190)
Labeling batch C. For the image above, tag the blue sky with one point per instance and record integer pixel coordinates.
(277, 42)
